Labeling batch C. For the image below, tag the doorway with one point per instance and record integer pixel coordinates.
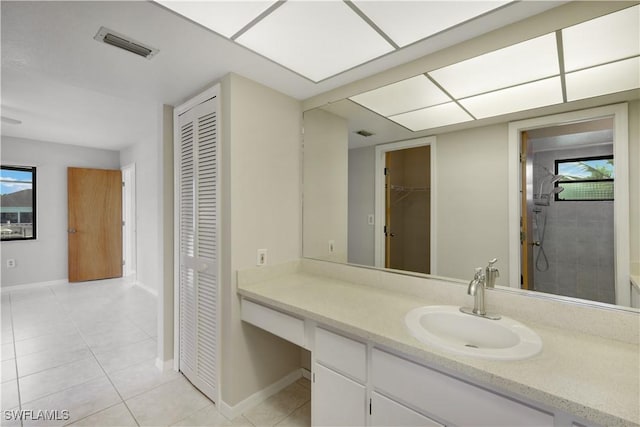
(404, 205)
(568, 210)
(95, 224)
(618, 113)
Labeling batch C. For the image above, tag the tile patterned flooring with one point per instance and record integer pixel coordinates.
(90, 348)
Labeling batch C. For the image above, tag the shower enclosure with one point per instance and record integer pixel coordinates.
(569, 211)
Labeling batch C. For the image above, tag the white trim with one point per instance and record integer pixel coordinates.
(621, 189)
(379, 198)
(130, 227)
(164, 365)
(196, 100)
(144, 287)
(35, 285)
(231, 412)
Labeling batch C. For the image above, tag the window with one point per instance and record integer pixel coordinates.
(585, 179)
(18, 203)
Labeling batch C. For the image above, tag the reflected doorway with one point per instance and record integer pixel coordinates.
(405, 206)
(568, 210)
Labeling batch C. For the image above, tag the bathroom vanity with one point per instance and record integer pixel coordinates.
(367, 369)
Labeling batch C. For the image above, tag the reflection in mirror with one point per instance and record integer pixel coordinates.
(506, 175)
(568, 223)
(469, 197)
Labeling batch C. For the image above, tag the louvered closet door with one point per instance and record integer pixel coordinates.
(198, 246)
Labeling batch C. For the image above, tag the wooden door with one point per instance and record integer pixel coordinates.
(95, 223)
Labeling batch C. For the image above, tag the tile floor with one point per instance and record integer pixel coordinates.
(89, 348)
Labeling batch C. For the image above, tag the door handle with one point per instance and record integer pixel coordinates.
(71, 230)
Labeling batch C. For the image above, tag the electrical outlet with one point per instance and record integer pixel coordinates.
(11, 263)
(262, 257)
(331, 245)
(370, 219)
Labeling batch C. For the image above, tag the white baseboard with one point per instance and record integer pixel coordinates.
(14, 288)
(164, 365)
(145, 287)
(306, 373)
(231, 412)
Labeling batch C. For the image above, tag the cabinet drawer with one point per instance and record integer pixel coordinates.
(448, 398)
(280, 324)
(386, 412)
(342, 354)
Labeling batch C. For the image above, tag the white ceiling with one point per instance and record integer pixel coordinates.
(65, 87)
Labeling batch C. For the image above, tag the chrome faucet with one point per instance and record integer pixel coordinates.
(476, 288)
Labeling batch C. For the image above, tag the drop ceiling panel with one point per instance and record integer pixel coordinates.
(520, 63)
(432, 117)
(409, 21)
(315, 39)
(517, 98)
(609, 78)
(223, 17)
(608, 38)
(411, 94)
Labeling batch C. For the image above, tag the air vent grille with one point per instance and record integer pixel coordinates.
(113, 38)
(364, 133)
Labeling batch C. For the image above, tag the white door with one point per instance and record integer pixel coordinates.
(336, 400)
(197, 172)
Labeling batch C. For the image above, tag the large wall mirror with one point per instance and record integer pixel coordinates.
(424, 176)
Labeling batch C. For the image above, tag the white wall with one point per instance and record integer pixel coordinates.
(634, 184)
(472, 201)
(361, 204)
(325, 186)
(261, 136)
(146, 155)
(45, 259)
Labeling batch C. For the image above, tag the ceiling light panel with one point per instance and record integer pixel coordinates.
(610, 78)
(223, 17)
(409, 21)
(604, 39)
(410, 94)
(432, 117)
(520, 63)
(517, 98)
(317, 39)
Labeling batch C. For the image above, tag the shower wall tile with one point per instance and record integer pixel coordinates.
(579, 239)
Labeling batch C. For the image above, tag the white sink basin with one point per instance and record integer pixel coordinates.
(445, 327)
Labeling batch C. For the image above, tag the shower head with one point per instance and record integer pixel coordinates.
(555, 178)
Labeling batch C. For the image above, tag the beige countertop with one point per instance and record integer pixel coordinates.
(588, 376)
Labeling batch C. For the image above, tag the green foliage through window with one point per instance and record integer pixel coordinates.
(586, 179)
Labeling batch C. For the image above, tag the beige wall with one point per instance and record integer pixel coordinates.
(634, 182)
(260, 209)
(472, 201)
(325, 186)
(361, 204)
(166, 292)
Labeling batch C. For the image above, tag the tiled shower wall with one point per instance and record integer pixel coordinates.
(578, 238)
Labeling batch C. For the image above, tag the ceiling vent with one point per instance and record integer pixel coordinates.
(364, 133)
(108, 36)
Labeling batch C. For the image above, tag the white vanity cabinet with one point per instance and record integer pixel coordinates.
(338, 393)
(357, 384)
(386, 412)
(445, 398)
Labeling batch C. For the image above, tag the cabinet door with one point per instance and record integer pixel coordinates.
(336, 400)
(386, 412)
